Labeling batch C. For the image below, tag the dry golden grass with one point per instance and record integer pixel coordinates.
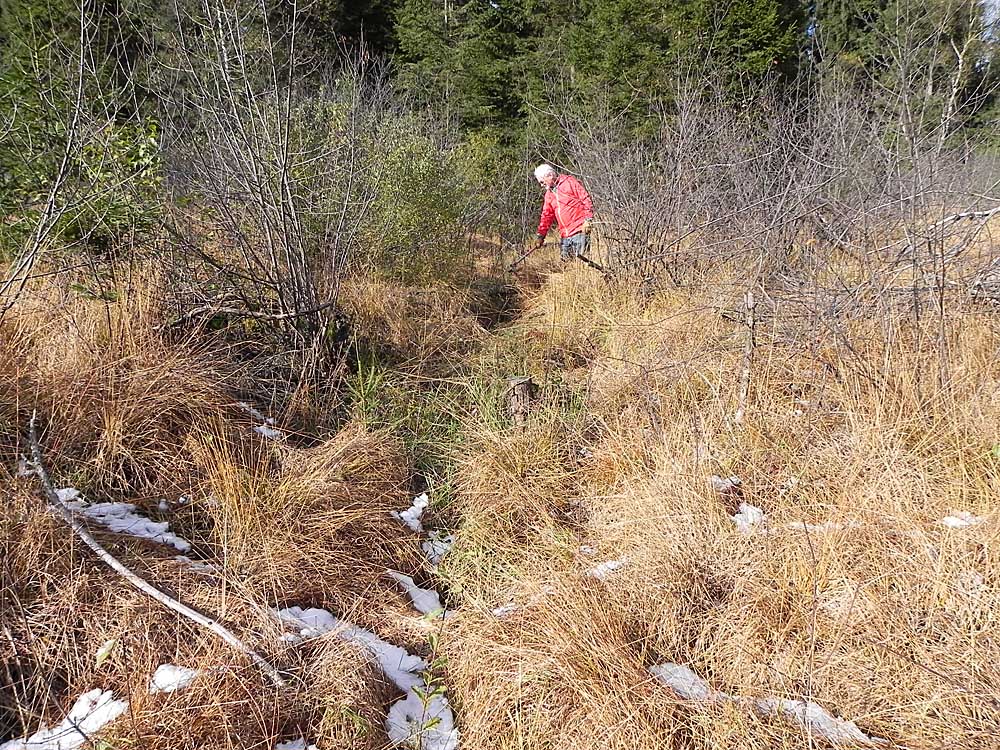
(426, 330)
(130, 416)
(112, 393)
(876, 610)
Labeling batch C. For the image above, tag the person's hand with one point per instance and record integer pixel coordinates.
(539, 242)
(588, 224)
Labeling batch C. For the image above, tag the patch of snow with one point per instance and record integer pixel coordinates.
(91, 712)
(309, 623)
(252, 411)
(971, 583)
(748, 517)
(299, 744)
(437, 545)
(198, 566)
(961, 519)
(422, 717)
(169, 678)
(411, 516)
(684, 682)
(122, 519)
(25, 469)
(585, 452)
(505, 610)
(266, 428)
(810, 716)
(426, 601)
(163, 507)
(586, 549)
(816, 720)
(605, 569)
(723, 485)
(269, 432)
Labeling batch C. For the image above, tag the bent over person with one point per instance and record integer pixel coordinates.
(568, 204)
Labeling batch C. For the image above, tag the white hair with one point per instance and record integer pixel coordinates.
(543, 170)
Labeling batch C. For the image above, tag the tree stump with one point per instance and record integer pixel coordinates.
(520, 389)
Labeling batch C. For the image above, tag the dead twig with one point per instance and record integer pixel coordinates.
(61, 510)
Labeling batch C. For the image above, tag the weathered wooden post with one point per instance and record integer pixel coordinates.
(520, 389)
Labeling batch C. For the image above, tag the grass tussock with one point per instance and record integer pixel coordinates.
(423, 330)
(849, 591)
(112, 393)
(853, 594)
(565, 671)
(131, 416)
(313, 526)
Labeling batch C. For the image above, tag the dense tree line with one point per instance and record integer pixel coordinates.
(489, 69)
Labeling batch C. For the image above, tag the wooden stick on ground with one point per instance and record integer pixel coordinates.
(60, 509)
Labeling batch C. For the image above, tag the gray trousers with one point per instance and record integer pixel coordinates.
(571, 247)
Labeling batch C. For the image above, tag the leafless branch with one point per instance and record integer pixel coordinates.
(59, 508)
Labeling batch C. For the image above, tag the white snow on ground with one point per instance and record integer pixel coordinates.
(725, 484)
(426, 601)
(25, 469)
(269, 432)
(122, 518)
(810, 716)
(91, 712)
(169, 678)
(684, 682)
(427, 722)
(411, 516)
(605, 569)
(961, 519)
(437, 545)
(308, 623)
(252, 412)
(505, 609)
(971, 583)
(198, 566)
(819, 722)
(299, 744)
(586, 549)
(266, 428)
(749, 517)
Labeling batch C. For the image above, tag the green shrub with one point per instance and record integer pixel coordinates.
(420, 208)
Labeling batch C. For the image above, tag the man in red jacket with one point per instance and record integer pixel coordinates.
(567, 203)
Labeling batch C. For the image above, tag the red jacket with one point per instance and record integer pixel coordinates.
(568, 204)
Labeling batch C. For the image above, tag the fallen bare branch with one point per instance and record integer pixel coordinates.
(60, 509)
